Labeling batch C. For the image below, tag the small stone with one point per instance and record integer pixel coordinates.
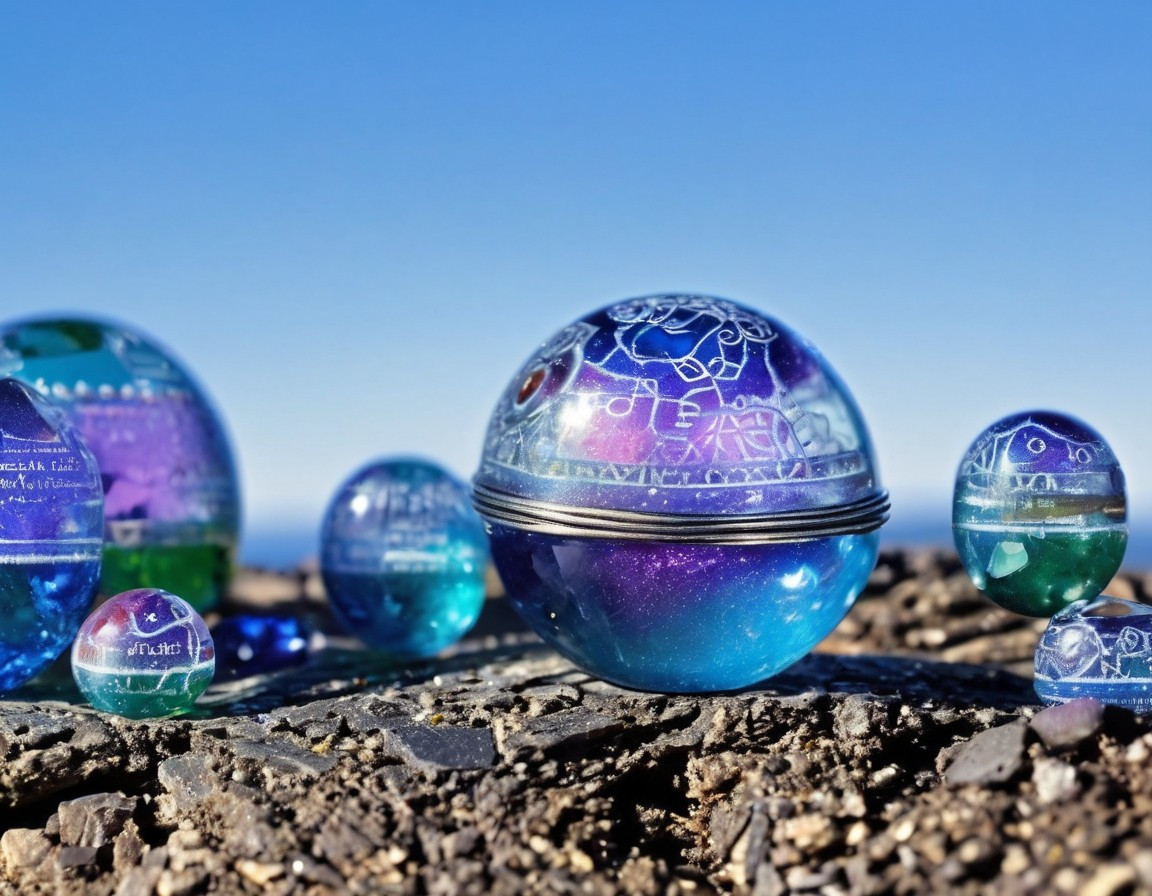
(181, 883)
(1067, 724)
(809, 832)
(94, 820)
(76, 856)
(1137, 751)
(138, 882)
(1016, 860)
(991, 757)
(580, 862)
(1055, 780)
(128, 847)
(1109, 880)
(188, 778)
(904, 829)
(24, 848)
(801, 879)
(259, 873)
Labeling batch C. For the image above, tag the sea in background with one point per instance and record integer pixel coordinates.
(286, 546)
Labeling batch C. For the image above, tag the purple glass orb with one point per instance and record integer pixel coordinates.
(170, 490)
(403, 556)
(681, 494)
(143, 654)
(1039, 512)
(51, 523)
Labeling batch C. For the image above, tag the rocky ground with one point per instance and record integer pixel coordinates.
(908, 756)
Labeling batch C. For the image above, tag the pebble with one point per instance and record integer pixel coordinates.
(991, 757)
(1055, 780)
(1065, 725)
(94, 820)
(260, 873)
(24, 847)
(1109, 880)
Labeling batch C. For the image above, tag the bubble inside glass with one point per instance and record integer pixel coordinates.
(1039, 512)
(51, 524)
(171, 495)
(681, 494)
(403, 556)
(143, 654)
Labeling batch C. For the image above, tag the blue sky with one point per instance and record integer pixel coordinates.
(353, 221)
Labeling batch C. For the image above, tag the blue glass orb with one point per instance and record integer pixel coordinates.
(51, 522)
(258, 645)
(681, 494)
(1039, 512)
(170, 489)
(403, 556)
(143, 654)
(1097, 648)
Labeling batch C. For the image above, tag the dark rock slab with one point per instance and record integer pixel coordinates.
(500, 769)
(442, 746)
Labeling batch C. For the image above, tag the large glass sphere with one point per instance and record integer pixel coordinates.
(403, 556)
(1039, 512)
(681, 494)
(51, 524)
(170, 489)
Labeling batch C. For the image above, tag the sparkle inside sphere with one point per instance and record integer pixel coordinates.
(50, 532)
(143, 654)
(171, 496)
(1039, 512)
(403, 556)
(1101, 649)
(681, 494)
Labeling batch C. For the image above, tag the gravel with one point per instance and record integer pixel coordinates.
(908, 756)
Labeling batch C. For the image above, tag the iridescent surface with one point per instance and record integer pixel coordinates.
(677, 406)
(258, 645)
(403, 557)
(50, 532)
(171, 497)
(682, 618)
(143, 654)
(685, 404)
(1101, 649)
(1039, 512)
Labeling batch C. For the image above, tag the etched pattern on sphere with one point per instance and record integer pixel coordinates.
(403, 556)
(143, 654)
(678, 404)
(1100, 649)
(50, 533)
(1039, 512)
